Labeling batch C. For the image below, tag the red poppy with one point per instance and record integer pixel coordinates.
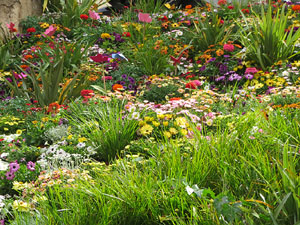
(31, 30)
(230, 7)
(84, 16)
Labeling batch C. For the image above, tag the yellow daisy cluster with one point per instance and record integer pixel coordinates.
(166, 124)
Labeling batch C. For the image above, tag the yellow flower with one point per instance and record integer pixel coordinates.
(183, 132)
(142, 123)
(181, 122)
(155, 123)
(35, 122)
(44, 25)
(175, 25)
(70, 136)
(105, 35)
(5, 129)
(167, 134)
(148, 119)
(82, 139)
(173, 131)
(146, 129)
(269, 82)
(19, 132)
(258, 86)
(165, 123)
(21, 206)
(45, 119)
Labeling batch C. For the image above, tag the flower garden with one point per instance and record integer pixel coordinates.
(159, 114)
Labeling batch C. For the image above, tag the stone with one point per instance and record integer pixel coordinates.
(16, 10)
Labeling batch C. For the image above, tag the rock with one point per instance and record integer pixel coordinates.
(16, 10)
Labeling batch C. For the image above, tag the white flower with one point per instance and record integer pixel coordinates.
(3, 166)
(135, 115)
(170, 16)
(80, 145)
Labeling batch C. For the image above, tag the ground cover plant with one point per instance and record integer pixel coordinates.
(158, 114)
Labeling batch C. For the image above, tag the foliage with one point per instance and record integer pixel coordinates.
(266, 38)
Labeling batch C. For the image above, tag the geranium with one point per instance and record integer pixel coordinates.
(84, 16)
(11, 27)
(126, 34)
(31, 30)
(245, 11)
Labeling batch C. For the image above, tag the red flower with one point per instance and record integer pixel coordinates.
(31, 30)
(222, 2)
(245, 11)
(11, 27)
(84, 16)
(99, 58)
(221, 21)
(87, 93)
(53, 107)
(191, 85)
(126, 34)
(296, 8)
(230, 7)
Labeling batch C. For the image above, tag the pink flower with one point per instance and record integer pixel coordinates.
(197, 82)
(10, 175)
(228, 47)
(99, 58)
(11, 27)
(94, 15)
(107, 78)
(50, 31)
(31, 166)
(251, 70)
(252, 137)
(14, 167)
(145, 17)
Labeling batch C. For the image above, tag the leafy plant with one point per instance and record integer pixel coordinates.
(266, 38)
(106, 127)
(44, 80)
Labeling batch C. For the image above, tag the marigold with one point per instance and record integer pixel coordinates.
(105, 36)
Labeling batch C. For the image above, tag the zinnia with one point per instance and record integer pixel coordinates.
(31, 30)
(84, 16)
(117, 87)
(228, 47)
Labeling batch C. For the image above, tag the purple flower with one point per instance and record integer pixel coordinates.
(202, 68)
(14, 166)
(220, 78)
(131, 80)
(1, 222)
(31, 166)
(10, 175)
(124, 76)
(226, 56)
(249, 76)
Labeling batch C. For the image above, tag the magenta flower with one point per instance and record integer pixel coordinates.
(1, 222)
(251, 70)
(50, 31)
(94, 15)
(14, 166)
(31, 166)
(145, 17)
(99, 58)
(10, 175)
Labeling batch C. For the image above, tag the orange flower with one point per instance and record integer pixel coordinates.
(28, 57)
(296, 7)
(219, 52)
(53, 107)
(24, 67)
(117, 87)
(188, 6)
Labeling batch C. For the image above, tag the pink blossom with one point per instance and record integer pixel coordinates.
(50, 31)
(145, 17)
(228, 47)
(94, 15)
(251, 70)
